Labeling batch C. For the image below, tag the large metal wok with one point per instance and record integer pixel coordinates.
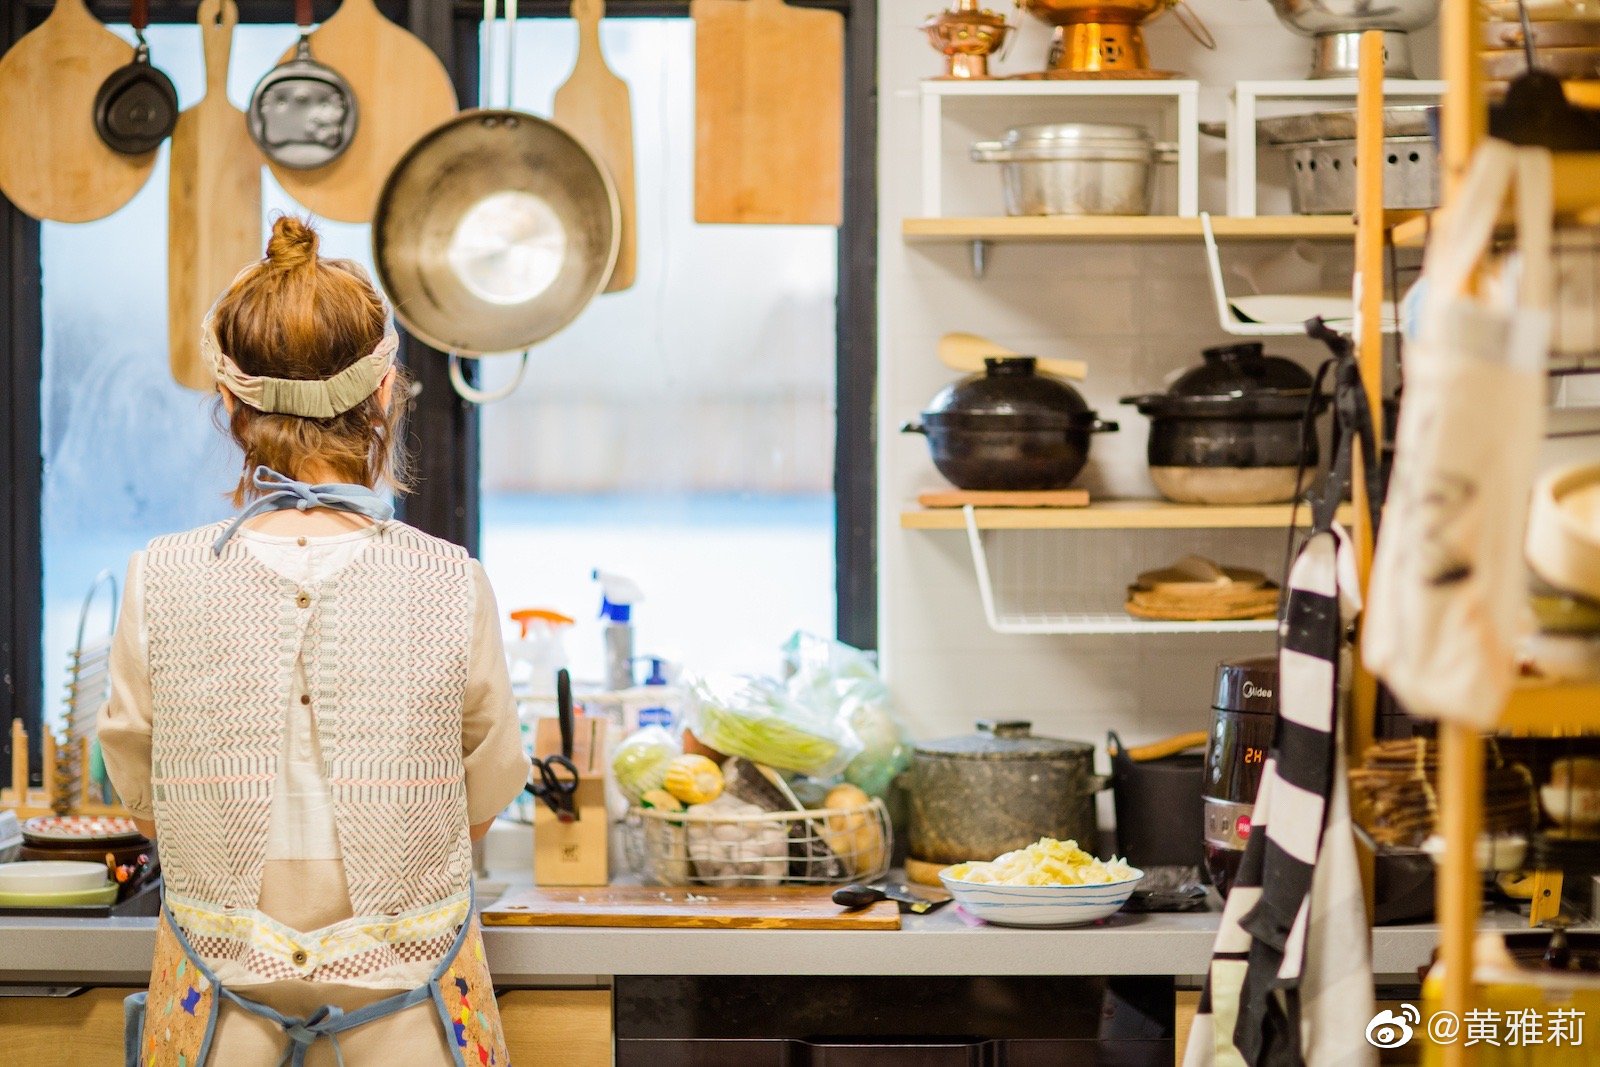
(493, 232)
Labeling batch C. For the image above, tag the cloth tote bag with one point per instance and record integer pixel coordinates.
(1447, 599)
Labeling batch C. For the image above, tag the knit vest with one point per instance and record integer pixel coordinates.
(385, 645)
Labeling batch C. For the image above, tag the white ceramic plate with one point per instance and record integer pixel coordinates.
(51, 876)
(1041, 905)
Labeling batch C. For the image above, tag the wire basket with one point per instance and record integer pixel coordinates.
(825, 846)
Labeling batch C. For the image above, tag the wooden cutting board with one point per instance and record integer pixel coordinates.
(593, 106)
(978, 498)
(698, 907)
(769, 112)
(402, 91)
(213, 201)
(53, 164)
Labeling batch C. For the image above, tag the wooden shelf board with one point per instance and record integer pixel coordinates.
(1112, 515)
(1552, 709)
(1126, 228)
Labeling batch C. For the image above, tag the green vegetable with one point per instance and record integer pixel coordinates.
(753, 719)
(640, 762)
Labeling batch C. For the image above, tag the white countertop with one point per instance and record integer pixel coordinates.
(117, 951)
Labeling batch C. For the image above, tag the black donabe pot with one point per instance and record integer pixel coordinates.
(1157, 804)
(1009, 428)
(1230, 431)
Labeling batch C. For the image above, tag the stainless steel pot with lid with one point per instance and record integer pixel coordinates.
(976, 796)
(1075, 168)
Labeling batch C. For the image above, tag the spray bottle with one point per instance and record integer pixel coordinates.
(618, 595)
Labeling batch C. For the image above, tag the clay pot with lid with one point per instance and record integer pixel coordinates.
(976, 796)
(1009, 428)
(1230, 431)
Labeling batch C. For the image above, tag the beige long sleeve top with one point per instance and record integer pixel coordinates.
(303, 883)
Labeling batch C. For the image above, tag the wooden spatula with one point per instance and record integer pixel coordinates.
(213, 201)
(967, 351)
(53, 164)
(402, 90)
(593, 106)
(768, 112)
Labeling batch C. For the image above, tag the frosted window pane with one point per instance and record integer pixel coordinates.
(128, 453)
(681, 431)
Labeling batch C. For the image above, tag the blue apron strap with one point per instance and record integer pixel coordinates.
(279, 491)
(329, 1021)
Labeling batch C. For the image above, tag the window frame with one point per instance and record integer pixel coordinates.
(446, 502)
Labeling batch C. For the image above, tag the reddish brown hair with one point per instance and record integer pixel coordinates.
(296, 315)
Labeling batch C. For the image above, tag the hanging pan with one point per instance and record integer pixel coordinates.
(302, 113)
(494, 231)
(137, 107)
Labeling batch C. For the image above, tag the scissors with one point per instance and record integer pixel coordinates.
(558, 775)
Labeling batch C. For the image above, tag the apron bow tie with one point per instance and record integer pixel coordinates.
(279, 492)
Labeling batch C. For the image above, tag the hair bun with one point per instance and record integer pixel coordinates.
(293, 243)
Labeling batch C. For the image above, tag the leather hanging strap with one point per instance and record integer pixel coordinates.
(302, 14)
(139, 15)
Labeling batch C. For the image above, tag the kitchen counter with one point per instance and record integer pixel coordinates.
(117, 951)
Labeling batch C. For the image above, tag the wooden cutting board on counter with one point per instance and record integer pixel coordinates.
(687, 907)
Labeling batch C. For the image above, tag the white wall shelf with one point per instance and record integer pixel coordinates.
(1031, 586)
(1182, 96)
(1244, 110)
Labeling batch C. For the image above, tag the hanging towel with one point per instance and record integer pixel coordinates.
(1289, 984)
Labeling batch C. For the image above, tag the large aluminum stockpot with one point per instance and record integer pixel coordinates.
(976, 796)
(1075, 168)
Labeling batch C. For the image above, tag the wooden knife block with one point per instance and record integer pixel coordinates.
(574, 853)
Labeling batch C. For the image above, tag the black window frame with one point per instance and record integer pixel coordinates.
(444, 427)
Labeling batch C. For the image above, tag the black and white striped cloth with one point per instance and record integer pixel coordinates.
(1290, 980)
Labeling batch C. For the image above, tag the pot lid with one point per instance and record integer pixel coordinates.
(1003, 739)
(1011, 386)
(1248, 685)
(1076, 134)
(1233, 379)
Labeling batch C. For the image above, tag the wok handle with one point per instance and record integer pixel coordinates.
(1100, 425)
(473, 394)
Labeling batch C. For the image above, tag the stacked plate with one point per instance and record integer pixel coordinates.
(53, 883)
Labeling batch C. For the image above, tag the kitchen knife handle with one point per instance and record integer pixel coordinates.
(564, 710)
(857, 896)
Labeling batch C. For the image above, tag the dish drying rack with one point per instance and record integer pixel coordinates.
(1048, 582)
(68, 784)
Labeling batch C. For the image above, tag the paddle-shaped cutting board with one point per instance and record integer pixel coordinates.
(53, 164)
(593, 106)
(696, 907)
(213, 201)
(402, 91)
(769, 112)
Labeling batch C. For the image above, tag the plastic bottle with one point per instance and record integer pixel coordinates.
(618, 595)
(659, 712)
(539, 651)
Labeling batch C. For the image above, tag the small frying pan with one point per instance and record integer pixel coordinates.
(302, 113)
(137, 106)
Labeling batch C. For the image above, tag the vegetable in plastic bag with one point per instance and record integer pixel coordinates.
(756, 719)
(640, 762)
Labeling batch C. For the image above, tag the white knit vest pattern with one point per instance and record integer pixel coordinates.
(385, 644)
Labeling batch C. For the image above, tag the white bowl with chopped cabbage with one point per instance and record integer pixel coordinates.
(1048, 883)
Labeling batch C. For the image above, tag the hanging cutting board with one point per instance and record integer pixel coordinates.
(53, 164)
(213, 201)
(769, 112)
(697, 907)
(402, 91)
(594, 107)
